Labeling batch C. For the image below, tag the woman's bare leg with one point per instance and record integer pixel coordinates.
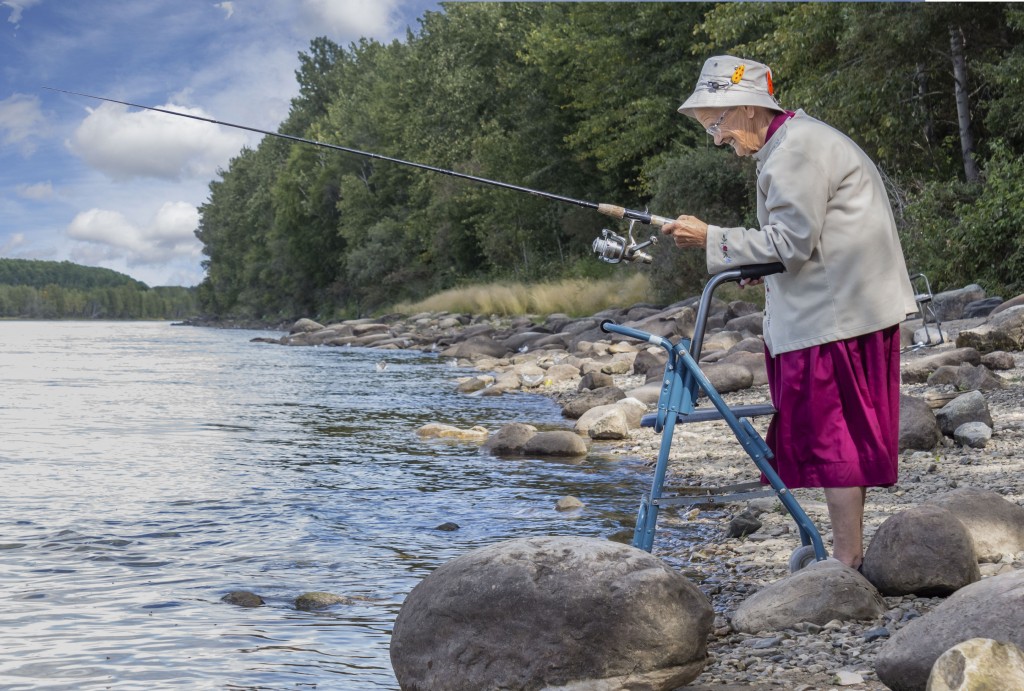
(846, 511)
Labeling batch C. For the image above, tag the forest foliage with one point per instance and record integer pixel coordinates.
(37, 289)
(580, 99)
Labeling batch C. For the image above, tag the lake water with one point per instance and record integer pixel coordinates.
(147, 469)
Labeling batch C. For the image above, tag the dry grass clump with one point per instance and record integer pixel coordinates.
(576, 297)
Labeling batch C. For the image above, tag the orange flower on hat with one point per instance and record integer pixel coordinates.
(771, 87)
(737, 74)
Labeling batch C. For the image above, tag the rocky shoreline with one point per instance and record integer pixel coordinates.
(573, 360)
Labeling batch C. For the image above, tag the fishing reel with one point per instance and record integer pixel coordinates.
(613, 248)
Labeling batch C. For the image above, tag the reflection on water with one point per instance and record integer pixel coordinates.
(146, 470)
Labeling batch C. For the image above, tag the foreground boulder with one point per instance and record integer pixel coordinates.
(537, 613)
(968, 407)
(992, 608)
(924, 550)
(979, 663)
(918, 371)
(818, 593)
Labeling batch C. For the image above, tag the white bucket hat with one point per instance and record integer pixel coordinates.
(726, 82)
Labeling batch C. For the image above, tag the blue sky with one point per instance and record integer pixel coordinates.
(103, 185)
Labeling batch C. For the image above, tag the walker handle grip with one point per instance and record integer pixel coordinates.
(761, 270)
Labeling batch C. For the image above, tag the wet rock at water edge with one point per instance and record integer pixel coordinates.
(569, 503)
(243, 598)
(448, 527)
(312, 601)
(743, 523)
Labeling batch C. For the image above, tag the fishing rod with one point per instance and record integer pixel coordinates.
(610, 247)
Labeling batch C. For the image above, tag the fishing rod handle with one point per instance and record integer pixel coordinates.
(643, 217)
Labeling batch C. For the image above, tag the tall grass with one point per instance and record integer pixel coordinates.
(575, 297)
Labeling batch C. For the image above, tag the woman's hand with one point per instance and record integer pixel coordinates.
(687, 231)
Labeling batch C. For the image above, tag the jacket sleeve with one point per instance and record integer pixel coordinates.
(796, 192)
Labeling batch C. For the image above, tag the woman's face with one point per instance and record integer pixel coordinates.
(736, 127)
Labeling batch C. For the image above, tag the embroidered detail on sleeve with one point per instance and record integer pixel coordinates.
(725, 254)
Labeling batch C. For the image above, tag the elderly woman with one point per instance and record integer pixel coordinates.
(831, 320)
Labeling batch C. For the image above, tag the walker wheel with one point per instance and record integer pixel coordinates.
(801, 557)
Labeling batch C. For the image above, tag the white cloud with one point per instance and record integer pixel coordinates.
(21, 122)
(228, 7)
(13, 242)
(36, 192)
(351, 19)
(136, 144)
(17, 8)
(105, 235)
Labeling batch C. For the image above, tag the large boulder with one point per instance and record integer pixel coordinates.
(551, 612)
(818, 593)
(510, 440)
(557, 443)
(995, 524)
(950, 304)
(924, 551)
(305, 326)
(991, 608)
(1003, 331)
(980, 663)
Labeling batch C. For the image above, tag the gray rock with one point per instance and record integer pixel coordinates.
(475, 347)
(754, 362)
(980, 663)
(976, 377)
(728, 377)
(595, 380)
(981, 308)
(1012, 302)
(969, 407)
(1003, 331)
(558, 443)
(568, 504)
(950, 304)
(673, 323)
(312, 601)
(996, 525)
(610, 424)
(647, 362)
(924, 551)
(243, 598)
(818, 593)
(552, 612)
(991, 608)
(740, 308)
(305, 326)
(975, 435)
(510, 440)
(998, 361)
(918, 371)
(743, 523)
(751, 323)
(586, 400)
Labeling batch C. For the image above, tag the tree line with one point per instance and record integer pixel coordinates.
(35, 289)
(580, 99)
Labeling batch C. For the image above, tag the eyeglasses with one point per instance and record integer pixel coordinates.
(716, 129)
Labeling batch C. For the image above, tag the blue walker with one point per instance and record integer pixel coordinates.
(676, 404)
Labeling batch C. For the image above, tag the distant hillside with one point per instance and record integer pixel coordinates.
(38, 274)
(34, 289)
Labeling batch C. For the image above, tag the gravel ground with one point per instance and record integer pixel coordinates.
(839, 654)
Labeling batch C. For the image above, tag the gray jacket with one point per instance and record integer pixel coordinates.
(825, 215)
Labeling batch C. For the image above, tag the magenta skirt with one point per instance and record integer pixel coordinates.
(838, 416)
